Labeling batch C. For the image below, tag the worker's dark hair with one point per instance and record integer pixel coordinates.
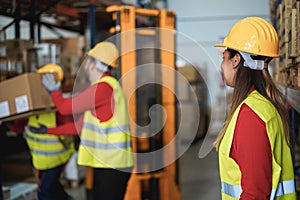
(109, 67)
(246, 78)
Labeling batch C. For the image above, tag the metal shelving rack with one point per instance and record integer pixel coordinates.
(292, 94)
(290, 91)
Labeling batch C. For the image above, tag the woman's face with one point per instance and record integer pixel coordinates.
(90, 69)
(229, 68)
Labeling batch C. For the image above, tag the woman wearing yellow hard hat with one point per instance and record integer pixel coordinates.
(254, 146)
(104, 124)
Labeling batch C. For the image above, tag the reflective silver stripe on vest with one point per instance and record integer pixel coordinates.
(47, 153)
(285, 187)
(45, 141)
(114, 145)
(113, 129)
(234, 191)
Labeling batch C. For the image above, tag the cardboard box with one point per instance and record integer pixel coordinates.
(23, 95)
(298, 77)
(184, 91)
(16, 48)
(190, 73)
(70, 46)
(292, 44)
(70, 64)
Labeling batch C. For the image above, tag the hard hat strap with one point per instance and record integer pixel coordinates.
(251, 63)
(101, 66)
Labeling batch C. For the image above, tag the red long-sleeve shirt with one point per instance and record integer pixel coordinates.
(252, 152)
(18, 125)
(98, 98)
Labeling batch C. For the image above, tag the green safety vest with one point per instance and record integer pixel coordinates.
(283, 184)
(48, 151)
(107, 144)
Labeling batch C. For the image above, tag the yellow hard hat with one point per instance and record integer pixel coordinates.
(253, 35)
(52, 68)
(105, 52)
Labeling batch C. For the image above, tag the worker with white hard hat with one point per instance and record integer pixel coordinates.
(104, 126)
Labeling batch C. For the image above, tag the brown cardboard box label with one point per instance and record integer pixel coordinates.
(4, 109)
(22, 103)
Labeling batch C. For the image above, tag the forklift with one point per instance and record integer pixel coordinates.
(146, 41)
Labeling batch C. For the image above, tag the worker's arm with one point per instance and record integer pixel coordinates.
(65, 129)
(18, 125)
(252, 152)
(63, 119)
(93, 97)
(70, 128)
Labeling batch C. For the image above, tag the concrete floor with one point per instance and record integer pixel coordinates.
(199, 178)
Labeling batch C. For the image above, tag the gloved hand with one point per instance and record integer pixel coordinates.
(42, 129)
(49, 83)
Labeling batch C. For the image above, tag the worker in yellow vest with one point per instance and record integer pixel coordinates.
(49, 153)
(254, 146)
(104, 125)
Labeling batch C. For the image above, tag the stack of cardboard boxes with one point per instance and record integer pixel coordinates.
(288, 28)
(287, 67)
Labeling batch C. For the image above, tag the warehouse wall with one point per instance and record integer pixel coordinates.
(206, 23)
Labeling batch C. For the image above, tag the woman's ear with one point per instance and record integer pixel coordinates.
(236, 60)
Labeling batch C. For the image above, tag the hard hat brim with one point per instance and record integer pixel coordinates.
(219, 45)
(222, 45)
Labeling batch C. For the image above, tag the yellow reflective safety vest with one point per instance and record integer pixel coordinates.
(283, 185)
(107, 144)
(48, 151)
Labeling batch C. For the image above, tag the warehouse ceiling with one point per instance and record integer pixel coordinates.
(66, 14)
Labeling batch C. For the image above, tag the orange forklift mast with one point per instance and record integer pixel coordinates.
(146, 39)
